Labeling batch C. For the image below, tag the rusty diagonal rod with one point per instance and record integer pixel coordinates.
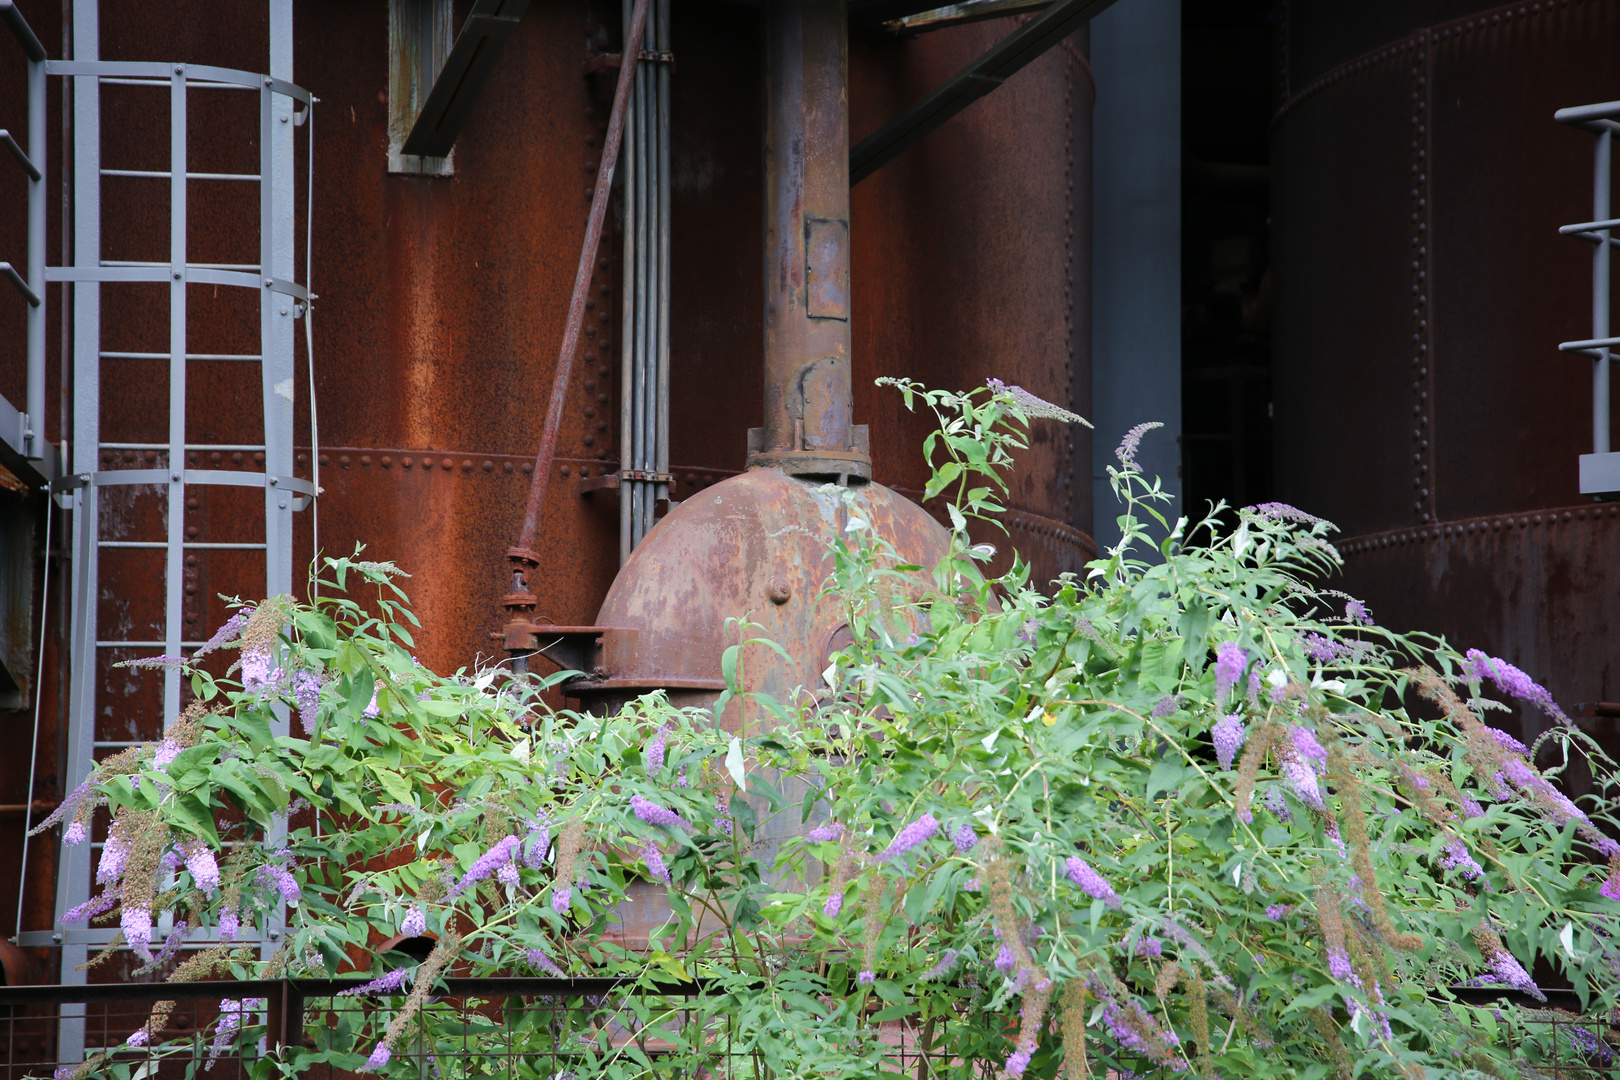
(524, 554)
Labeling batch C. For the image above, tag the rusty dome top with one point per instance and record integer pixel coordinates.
(759, 546)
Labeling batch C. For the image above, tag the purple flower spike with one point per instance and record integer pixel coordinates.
(1303, 781)
(1611, 888)
(1279, 912)
(866, 978)
(285, 883)
(1091, 883)
(654, 814)
(1005, 960)
(918, 832)
(1356, 612)
(391, 983)
(939, 970)
(378, 1059)
(138, 1037)
(655, 864)
(1308, 749)
(1149, 946)
(1507, 969)
(1510, 680)
(1167, 706)
(655, 749)
(201, 865)
(1457, 858)
(828, 833)
(415, 922)
(1230, 660)
(90, 908)
(230, 924)
(561, 897)
(1339, 966)
(1126, 450)
(541, 962)
(307, 694)
(964, 838)
(490, 861)
(137, 926)
(74, 835)
(834, 904)
(1509, 743)
(113, 854)
(1018, 1061)
(1229, 734)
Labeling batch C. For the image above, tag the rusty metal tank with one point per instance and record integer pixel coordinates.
(758, 547)
(1421, 291)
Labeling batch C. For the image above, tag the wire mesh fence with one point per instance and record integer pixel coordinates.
(530, 1029)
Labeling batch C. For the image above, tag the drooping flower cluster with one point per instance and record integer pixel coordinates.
(538, 960)
(918, 832)
(655, 814)
(414, 923)
(1126, 450)
(1230, 660)
(497, 857)
(964, 837)
(826, 834)
(1034, 407)
(1090, 882)
(1228, 735)
(1457, 858)
(1510, 680)
(656, 747)
(390, 983)
(1503, 964)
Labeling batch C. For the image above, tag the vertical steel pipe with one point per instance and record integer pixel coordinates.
(1601, 187)
(627, 325)
(808, 426)
(660, 455)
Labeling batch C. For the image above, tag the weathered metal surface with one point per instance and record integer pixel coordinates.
(809, 427)
(759, 546)
(1421, 291)
(1537, 588)
(442, 300)
(972, 257)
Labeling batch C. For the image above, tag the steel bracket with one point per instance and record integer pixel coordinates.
(483, 36)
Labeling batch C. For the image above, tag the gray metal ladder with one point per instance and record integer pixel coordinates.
(164, 482)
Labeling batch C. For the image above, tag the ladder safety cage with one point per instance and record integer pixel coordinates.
(165, 471)
(1599, 470)
(23, 448)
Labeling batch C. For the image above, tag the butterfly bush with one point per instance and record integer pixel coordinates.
(1015, 818)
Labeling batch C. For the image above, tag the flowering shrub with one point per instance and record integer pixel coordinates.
(1191, 813)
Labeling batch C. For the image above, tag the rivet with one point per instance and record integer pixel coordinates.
(528, 467)
(344, 461)
(404, 462)
(506, 466)
(563, 472)
(466, 466)
(365, 460)
(488, 465)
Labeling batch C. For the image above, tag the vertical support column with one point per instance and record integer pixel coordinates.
(809, 427)
(1136, 246)
(73, 871)
(35, 445)
(277, 191)
(1601, 203)
(660, 456)
(174, 568)
(276, 262)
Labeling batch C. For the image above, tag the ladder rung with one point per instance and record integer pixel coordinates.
(198, 84)
(189, 545)
(189, 446)
(132, 644)
(149, 174)
(249, 267)
(189, 356)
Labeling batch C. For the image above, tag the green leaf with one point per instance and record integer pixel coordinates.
(1166, 776)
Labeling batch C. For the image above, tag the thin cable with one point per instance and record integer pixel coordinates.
(309, 359)
(39, 691)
